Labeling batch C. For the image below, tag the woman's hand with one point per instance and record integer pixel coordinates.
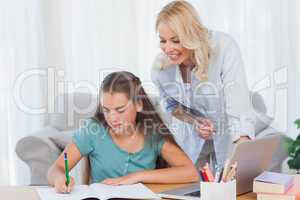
(204, 127)
(60, 184)
(123, 180)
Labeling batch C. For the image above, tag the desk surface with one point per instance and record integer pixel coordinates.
(163, 187)
(27, 192)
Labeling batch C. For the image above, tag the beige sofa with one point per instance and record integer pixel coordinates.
(39, 150)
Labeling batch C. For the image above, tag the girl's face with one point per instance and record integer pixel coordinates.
(119, 112)
(171, 46)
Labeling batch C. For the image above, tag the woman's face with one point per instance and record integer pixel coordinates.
(171, 46)
(119, 112)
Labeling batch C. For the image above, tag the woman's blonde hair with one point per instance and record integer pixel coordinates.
(183, 19)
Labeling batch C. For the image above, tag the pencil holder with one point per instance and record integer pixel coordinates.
(218, 191)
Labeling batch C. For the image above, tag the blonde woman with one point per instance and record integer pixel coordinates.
(201, 79)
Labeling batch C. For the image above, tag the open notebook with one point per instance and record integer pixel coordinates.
(99, 191)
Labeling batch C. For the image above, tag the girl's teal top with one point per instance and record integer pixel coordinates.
(107, 160)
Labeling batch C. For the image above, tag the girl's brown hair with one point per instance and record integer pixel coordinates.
(130, 85)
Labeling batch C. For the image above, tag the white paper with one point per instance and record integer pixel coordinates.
(135, 191)
(78, 192)
(101, 191)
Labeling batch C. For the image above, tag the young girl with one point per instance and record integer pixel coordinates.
(123, 141)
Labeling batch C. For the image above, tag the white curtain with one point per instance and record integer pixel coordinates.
(293, 63)
(268, 34)
(79, 41)
(22, 39)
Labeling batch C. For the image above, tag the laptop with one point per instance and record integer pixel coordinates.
(253, 157)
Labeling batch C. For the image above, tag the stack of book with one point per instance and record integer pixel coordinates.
(276, 186)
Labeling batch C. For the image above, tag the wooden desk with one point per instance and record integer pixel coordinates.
(29, 193)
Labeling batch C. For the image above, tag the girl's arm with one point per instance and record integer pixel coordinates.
(182, 169)
(56, 173)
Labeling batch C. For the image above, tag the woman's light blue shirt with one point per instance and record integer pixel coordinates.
(224, 98)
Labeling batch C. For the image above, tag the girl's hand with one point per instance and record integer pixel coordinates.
(204, 127)
(60, 184)
(123, 180)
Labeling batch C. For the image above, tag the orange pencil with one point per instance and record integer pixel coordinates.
(209, 174)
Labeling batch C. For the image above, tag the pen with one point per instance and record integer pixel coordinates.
(221, 174)
(226, 169)
(231, 174)
(218, 175)
(67, 168)
(204, 176)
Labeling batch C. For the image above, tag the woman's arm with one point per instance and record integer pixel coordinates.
(203, 126)
(182, 169)
(56, 173)
(236, 94)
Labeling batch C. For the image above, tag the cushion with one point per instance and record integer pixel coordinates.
(62, 138)
(262, 121)
(259, 109)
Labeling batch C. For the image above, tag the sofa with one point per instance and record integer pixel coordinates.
(40, 149)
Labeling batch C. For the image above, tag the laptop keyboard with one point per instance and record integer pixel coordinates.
(193, 194)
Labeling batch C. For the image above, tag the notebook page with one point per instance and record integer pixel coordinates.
(135, 191)
(78, 192)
